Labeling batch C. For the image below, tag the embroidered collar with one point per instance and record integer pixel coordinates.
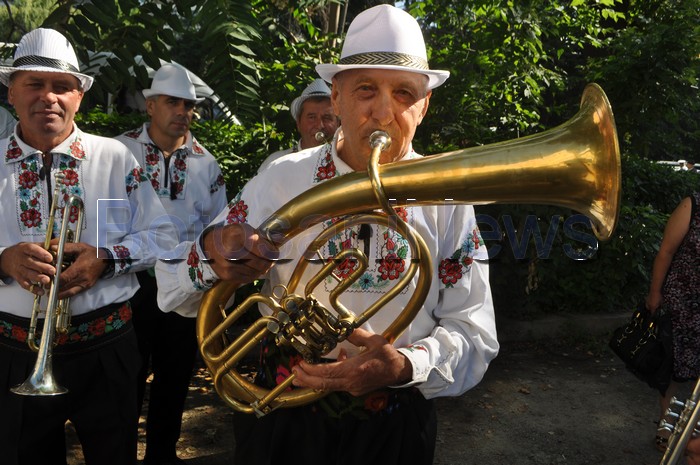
(191, 145)
(18, 150)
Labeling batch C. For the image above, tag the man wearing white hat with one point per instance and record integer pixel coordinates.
(379, 408)
(315, 120)
(47, 158)
(190, 185)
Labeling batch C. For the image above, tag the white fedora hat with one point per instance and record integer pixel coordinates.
(318, 88)
(384, 37)
(48, 51)
(172, 79)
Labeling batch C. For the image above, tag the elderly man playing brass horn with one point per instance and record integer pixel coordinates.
(51, 167)
(379, 409)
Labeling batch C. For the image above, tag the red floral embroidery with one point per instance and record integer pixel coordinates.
(391, 267)
(73, 214)
(19, 334)
(326, 169)
(125, 313)
(346, 268)
(450, 271)
(97, 327)
(71, 178)
(76, 149)
(193, 257)
(326, 172)
(28, 179)
(402, 213)
(31, 218)
(121, 252)
(152, 158)
(237, 213)
(13, 150)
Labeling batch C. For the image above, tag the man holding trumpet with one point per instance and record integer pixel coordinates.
(47, 159)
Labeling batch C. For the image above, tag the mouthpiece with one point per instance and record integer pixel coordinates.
(320, 137)
(379, 139)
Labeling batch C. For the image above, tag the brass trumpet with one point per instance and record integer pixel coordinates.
(575, 165)
(57, 320)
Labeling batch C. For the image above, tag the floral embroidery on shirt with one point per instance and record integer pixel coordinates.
(32, 197)
(453, 268)
(134, 179)
(122, 262)
(13, 149)
(237, 211)
(76, 149)
(196, 148)
(218, 184)
(415, 347)
(386, 264)
(153, 161)
(194, 270)
(326, 168)
(134, 134)
(178, 173)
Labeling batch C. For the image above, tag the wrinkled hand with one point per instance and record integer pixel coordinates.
(238, 253)
(377, 366)
(28, 263)
(84, 271)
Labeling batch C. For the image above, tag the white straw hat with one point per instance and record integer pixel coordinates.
(384, 37)
(48, 51)
(172, 79)
(318, 88)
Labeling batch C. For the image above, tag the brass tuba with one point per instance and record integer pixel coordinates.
(575, 165)
(57, 320)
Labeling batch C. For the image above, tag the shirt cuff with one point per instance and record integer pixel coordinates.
(420, 361)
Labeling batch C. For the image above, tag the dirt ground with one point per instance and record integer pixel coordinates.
(544, 403)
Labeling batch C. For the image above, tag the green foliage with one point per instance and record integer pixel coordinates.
(650, 71)
(108, 125)
(238, 150)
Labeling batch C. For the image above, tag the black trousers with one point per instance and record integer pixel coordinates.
(406, 434)
(101, 404)
(168, 346)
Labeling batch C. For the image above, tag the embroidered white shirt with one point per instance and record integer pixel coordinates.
(193, 178)
(115, 192)
(452, 339)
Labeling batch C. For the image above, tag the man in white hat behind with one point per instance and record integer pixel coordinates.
(379, 408)
(190, 185)
(47, 158)
(316, 122)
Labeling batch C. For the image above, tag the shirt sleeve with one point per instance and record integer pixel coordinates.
(146, 234)
(456, 354)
